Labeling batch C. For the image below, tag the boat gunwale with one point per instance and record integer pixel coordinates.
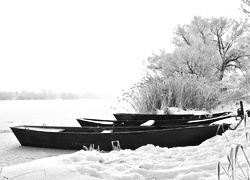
(171, 114)
(122, 123)
(27, 127)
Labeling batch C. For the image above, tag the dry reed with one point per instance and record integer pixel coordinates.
(183, 91)
(238, 168)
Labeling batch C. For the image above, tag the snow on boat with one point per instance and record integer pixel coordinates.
(156, 122)
(109, 138)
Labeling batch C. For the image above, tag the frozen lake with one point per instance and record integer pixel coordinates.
(39, 112)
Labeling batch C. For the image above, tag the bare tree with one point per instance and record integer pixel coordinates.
(227, 39)
(245, 6)
(230, 37)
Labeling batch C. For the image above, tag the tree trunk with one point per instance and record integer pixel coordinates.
(222, 71)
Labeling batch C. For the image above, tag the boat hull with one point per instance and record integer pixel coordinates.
(102, 123)
(78, 138)
(134, 116)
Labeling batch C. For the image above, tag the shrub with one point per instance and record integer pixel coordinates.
(155, 93)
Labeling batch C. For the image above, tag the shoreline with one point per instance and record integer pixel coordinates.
(12, 153)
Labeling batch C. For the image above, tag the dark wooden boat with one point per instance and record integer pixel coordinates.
(132, 116)
(101, 122)
(109, 138)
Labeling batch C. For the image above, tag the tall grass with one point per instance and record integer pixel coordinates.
(155, 93)
(238, 166)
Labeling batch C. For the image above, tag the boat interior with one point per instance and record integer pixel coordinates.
(95, 129)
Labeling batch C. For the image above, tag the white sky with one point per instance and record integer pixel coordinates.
(89, 45)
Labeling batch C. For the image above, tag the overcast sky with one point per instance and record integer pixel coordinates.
(90, 45)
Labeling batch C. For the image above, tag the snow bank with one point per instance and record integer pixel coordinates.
(147, 162)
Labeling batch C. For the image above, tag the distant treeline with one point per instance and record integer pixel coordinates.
(45, 95)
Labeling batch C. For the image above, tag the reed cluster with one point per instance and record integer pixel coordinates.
(238, 158)
(154, 94)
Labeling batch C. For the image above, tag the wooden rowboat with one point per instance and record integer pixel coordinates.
(101, 122)
(109, 138)
(133, 116)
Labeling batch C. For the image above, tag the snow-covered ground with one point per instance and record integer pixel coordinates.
(147, 162)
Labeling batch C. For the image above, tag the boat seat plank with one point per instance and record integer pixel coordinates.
(42, 129)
